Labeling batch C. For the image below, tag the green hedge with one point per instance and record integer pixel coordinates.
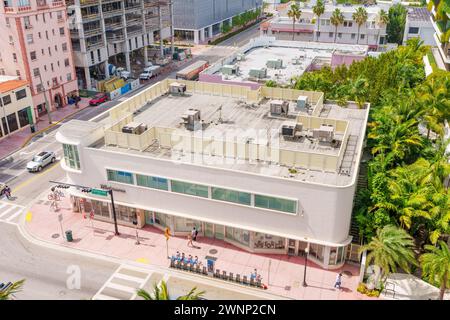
(432, 61)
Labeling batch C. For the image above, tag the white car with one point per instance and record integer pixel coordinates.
(40, 161)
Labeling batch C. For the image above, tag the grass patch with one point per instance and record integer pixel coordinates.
(432, 61)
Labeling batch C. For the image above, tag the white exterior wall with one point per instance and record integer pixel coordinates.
(426, 32)
(319, 221)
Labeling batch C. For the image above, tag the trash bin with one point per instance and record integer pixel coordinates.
(69, 236)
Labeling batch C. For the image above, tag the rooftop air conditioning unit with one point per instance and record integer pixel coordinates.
(258, 73)
(279, 107)
(191, 119)
(176, 88)
(240, 57)
(302, 103)
(274, 63)
(290, 128)
(134, 128)
(229, 70)
(324, 133)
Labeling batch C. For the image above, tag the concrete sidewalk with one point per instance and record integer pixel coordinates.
(17, 139)
(286, 273)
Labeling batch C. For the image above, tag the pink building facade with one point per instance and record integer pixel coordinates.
(35, 42)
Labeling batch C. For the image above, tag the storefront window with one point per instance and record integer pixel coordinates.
(186, 225)
(333, 252)
(163, 220)
(265, 241)
(238, 235)
(125, 213)
(340, 255)
(316, 251)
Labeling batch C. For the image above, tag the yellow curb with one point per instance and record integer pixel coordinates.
(28, 216)
(49, 127)
(142, 260)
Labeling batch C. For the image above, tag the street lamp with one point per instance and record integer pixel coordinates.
(306, 264)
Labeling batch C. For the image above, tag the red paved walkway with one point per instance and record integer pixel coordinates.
(15, 140)
(286, 273)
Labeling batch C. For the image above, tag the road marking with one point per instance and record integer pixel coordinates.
(14, 215)
(3, 205)
(28, 216)
(7, 210)
(38, 175)
(142, 260)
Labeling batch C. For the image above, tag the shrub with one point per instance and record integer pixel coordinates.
(362, 288)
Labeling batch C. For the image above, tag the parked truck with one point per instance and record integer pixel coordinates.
(192, 72)
(150, 72)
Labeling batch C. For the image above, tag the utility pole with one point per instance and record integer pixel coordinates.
(47, 106)
(116, 231)
(172, 30)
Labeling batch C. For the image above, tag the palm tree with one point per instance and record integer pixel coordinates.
(436, 266)
(360, 17)
(391, 247)
(382, 20)
(160, 292)
(336, 19)
(318, 10)
(358, 90)
(294, 13)
(9, 293)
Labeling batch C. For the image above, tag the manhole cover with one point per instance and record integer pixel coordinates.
(287, 288)
(213, 251)
(55, 235)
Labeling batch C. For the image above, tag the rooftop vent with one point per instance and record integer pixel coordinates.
(176, 88)
(230, 70)
(289, 129)
(134, 128)
(279, 108)
(302, 103)
(191, 119)
(258, 73)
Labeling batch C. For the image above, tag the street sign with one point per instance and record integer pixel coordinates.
(167, 233)
(99, 192)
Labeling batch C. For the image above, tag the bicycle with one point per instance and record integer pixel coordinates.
(54, 197)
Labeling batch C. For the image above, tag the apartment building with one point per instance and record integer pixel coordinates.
(440, 14)
(309, 28)
(199, 20)
(270, 170)
(418, 25)
(35, 46)
(16, 105)
(113, 30)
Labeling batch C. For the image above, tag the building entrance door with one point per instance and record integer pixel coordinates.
(209, 230)
(148, 217)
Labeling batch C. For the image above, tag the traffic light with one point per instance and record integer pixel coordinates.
(87, 190)
(63, 186)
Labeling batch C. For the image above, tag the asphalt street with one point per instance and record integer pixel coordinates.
(44, 269)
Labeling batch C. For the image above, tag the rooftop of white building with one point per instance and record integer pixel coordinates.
(228, 126)
(296, 56)
(419, 14)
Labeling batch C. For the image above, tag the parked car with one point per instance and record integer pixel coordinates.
(150, 72)
(98, 99)
(41, 160)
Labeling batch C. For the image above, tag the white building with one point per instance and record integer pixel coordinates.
(241, 165)
(418, 25)
(309, 28)
(440, 30)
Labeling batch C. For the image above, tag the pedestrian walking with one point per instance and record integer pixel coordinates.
(7, 192)
(338, 282)
(194, 234)
(189, 237)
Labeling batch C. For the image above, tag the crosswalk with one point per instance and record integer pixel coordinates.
(124, 283)
(10, 212)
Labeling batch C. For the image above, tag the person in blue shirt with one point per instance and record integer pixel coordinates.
(254, 274)
(195, 261)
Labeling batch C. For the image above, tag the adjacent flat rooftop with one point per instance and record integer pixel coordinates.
(234, 119)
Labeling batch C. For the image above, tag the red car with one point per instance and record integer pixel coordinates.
(98, 99)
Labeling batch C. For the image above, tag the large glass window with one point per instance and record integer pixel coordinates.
(266, 241)
(231, 196)
(152, 182)
(12, 122)
(125, 213)
(21, 94)
(186, 225)
(238, 235)
(100, 208)
(189, 188)
(23, 117)
(316, 250)
(6, 99)
(120, 176)
(71, 156)
(163, 220)
(275, 203)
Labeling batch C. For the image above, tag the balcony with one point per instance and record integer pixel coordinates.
(111, 26)
(94, 45)
(42, 4)
(90, 17)
(115, 38)
(92, 32)
(28, 26)
(132, 7)
(17, 9)
(134, 32)
(113, 12)
(134, 21)
(57, 3)
(87, 3)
